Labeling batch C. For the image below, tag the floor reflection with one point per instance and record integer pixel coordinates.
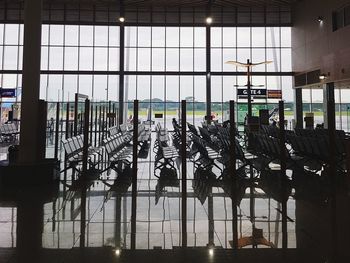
(96, 213)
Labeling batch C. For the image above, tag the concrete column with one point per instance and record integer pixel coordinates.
(328, 96)
(298, 108)
(29, 140)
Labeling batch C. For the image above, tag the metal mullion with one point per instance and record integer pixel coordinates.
(222, 98)
(64, 56)
(121, 72)
(208, 71)
(179, 69)
(311, 106)
(236, 99)
(79, 49)
(93, 62)
(165, 77)
(222, 69)
(193, 78)
(18, 47)
(280, 48)
(151, 79)
(265, 49)
(68, 72)
(251, 56)
(48, 59)
(153, 24)
(339, 108)
(108, 39)
(48, 55)
(137, 58)
(157, 73)
(2, 65)
(150, 126)
(193, 100)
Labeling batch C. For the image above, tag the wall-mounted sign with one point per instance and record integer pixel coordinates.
(255, 93)
(274, 94)
(7, 93)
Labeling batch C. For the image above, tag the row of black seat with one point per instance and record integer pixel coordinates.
(9, 132)
(74, 153)
(165, 153)
(310, 145)
(116, 149)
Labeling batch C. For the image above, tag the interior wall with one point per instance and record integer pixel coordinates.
(315, 45)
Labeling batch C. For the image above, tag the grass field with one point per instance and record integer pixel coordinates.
(203, 113)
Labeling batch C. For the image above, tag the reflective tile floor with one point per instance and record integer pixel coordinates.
(91, 222)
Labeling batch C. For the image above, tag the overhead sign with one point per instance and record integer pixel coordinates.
(255, 93)
(7, 93)
(274, 94)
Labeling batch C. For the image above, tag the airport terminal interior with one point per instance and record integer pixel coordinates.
(175, 131)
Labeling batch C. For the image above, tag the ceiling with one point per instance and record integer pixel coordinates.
(224, 12)
(173, 3)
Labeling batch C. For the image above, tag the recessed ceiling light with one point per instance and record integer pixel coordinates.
(322, 77)
(209, 20)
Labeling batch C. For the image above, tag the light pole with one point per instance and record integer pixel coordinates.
(249, 66)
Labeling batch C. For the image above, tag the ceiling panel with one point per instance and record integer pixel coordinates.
(165, 3)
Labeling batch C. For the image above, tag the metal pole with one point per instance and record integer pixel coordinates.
(104, 122)
(67, 136)
(183, 176)
(57, 128)
(114, 116)
(283, 161)
(232, 172)
(99, 125)
(76, 114)
(109, 114)
(67, 121)
(96, 120)
(134, 176)
(86, 137)
(249, 91)
(91, 123)
(84, 173)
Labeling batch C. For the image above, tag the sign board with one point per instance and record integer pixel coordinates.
(255, 93)
(274, 94)
(7, 93)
